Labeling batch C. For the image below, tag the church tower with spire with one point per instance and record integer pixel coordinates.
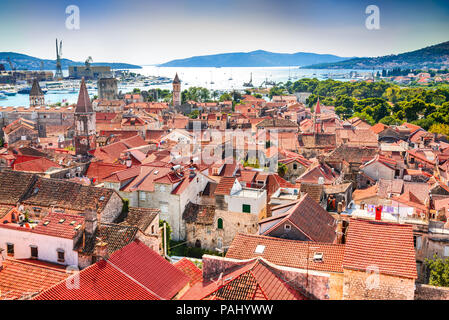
(36, 95)
(85, 127)
(176, 91)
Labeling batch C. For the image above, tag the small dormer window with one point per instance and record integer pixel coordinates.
(259, 249)
(287, 227)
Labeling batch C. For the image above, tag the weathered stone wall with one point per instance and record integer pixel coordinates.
(233, 223)
(16, 135)
(112, 209)
(107, 88)
(427, 292)
(356, 286)
(42, 118)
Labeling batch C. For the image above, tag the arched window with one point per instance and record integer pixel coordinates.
(220, 223)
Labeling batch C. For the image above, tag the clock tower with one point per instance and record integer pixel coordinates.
(85, 126)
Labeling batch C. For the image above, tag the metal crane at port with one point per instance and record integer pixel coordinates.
(11, 65)
(88, 61)
(13, 69)
(58, 73)
(250, 83)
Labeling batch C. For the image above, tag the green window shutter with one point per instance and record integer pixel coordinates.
(220, 223)
(247, 208)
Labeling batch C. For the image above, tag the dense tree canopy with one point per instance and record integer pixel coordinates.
(377, 101)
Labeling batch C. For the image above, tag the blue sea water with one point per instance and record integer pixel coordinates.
(221, 79)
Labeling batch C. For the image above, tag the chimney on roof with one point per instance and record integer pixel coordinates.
(339, 207)
(91, 220)
(101, 250)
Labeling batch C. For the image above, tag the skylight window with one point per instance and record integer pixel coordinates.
(77, 227)
(318, 257)
(72, 222)
(260, 249)
(46, 223)
(61, 221)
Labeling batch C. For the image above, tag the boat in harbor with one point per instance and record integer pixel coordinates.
(24, 90)
(3, 96)
(9, 92)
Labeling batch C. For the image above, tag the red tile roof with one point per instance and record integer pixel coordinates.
(21, 278)
(36, 165)
(225, 185)
(314, 172)
(254, 280)
(310, 218)
(190, 269)
(409, 199)
(134, 272)
(60, 225)
(378, 128)
(386, 246)
(100, 170)
(288, 253)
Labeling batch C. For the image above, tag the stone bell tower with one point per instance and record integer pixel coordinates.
(36, 95)
(176, 91)
(85, 126)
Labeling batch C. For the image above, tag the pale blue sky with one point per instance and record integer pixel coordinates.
(148, 32)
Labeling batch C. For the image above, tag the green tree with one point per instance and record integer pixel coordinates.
(439, 128)
(439, 271)
(282, 169)
(225, 97)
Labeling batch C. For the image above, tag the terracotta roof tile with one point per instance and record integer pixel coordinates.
(190, 269)
(387, 246)
(225, 185)
(133, 273)
(254, 280)
(60, 225)
(288, 253)
(310, 218)
(20, 279)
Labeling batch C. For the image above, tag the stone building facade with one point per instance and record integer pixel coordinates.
(41, 116)
(107, 89)
(360, 285)
(211, 229)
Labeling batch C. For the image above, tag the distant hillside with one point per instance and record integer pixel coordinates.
(25, 62)
(257, 58)
(435, 56)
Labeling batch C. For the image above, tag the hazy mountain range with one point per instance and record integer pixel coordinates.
(259, 58)
(25, 62)
(435, 56)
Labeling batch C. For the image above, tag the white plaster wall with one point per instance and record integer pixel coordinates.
(47, 246)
